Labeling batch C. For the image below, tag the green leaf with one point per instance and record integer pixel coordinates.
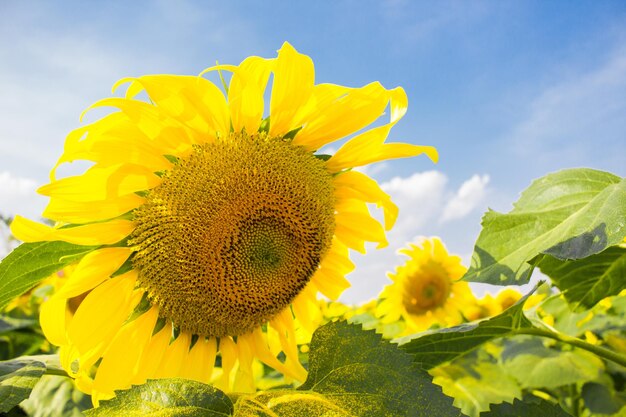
(18, 343)
(570, 214)
(52, 362)
(29, 263)
(8, 323)
(536, 366)
(519, 408)
(17, 379)
(56, 396)
(475, 385)
(602, 400)
(353, 372)
(443, 345)
(586, 281)
(165, 398)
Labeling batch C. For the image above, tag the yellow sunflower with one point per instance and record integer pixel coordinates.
(425, 290)
(482, 308)
(216, 222)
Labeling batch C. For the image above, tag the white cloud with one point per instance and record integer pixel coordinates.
(18, 196)
(466, 199)
(419, 197)
(423, 200)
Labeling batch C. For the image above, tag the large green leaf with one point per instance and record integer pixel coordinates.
(167, 398)
(534, 407)
(586, 281)
(570, 214)
(29, 263)
(353, 373)
(364, 375)
(443, 345)
(17, 379)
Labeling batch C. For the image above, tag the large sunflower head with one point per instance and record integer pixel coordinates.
(214, 220)
(425, 290)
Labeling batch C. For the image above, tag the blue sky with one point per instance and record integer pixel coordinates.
(506, 90)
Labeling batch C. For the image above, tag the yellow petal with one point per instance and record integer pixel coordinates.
(67, 356)
(174, 357)
(89, 235)
(294, 76)
(166, 132)
(228, 351)
(112, 140)
(194, 101)
(330, 283)
(153, 355)
(245, 93)
(52, 318)
(338, 258)
(369, 147)
(284, 325)
(79, 212)
(306, 315)
(258, 343)
(99, 184)
(92, 270)
(339, 112)
(200, 361)
(119, 361)
(244, 379)
(101, 314)
(355, 226)
(353, 184)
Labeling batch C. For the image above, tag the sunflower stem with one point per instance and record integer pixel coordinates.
(574, 341)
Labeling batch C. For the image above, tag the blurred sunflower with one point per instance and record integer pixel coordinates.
(215, 225)
(425, 290)
(489, 306)
(482, 308)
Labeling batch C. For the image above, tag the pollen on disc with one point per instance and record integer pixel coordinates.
(233, 233)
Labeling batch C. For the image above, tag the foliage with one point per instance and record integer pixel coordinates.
(352, 373)
(559, 350)
(570, 214)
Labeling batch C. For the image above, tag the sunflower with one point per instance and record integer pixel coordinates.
(482, 308)
(215, 224)
(425, 290)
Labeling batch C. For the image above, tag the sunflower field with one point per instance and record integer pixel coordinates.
(195, 267)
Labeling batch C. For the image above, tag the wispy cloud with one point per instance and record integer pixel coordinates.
(427, 206)
(471, 193)
(572, 119)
